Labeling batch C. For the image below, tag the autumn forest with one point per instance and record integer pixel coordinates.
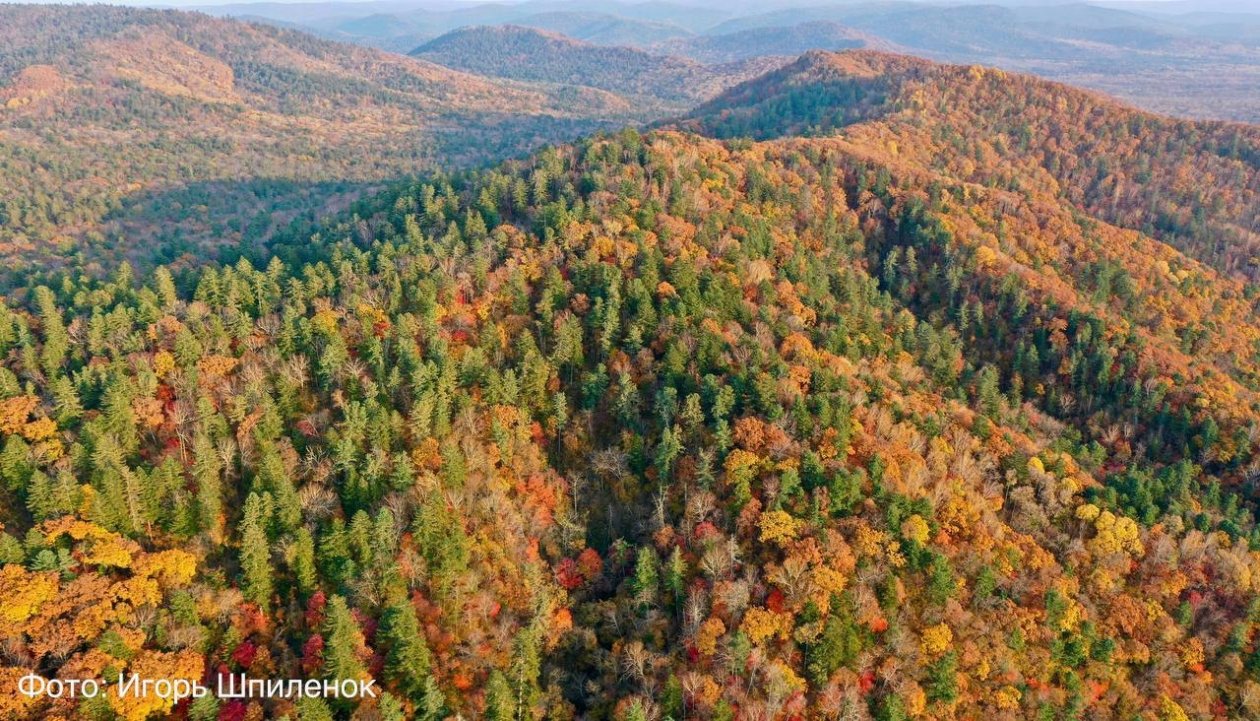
(849, 385)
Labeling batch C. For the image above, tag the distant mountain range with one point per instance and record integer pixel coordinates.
(1193, 60)
(786, 41)
(521, 53)
(402, 27)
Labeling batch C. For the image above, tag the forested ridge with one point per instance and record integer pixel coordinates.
(675, 84)
(1164, 58)
(1193, 184)
(657, 426)
(139, 134)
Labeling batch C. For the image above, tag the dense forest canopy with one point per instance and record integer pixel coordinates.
(675, 84)
(903, 397)
(1194, 185)
(130, 134)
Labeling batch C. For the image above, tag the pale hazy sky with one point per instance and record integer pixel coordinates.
(769, 3)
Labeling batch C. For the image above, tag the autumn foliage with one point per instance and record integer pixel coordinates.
(645, 427)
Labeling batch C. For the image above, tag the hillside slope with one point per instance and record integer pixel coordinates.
(1195, 185)
(647, 426)
(522, 53)
(1166, 64)
(402, 29)
(773, 41)
(604, 28)
(108, 110)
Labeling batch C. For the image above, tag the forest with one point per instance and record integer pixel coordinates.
(674, 84)
(142, 135)
(875, 389)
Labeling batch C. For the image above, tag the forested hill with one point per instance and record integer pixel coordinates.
(523, 53)
(122, 128)
(785, 41)
(1157, 56)
(654, 426)
(1193, 184)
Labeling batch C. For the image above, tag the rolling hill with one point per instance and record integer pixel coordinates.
(1161, 56)
(1017, 132)
(120, 126)
(773, 41)
(1158, 62)
(605, 28)
(521, 53)
(865, 392)
(402, 27)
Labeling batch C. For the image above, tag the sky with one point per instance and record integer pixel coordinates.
(418, 3)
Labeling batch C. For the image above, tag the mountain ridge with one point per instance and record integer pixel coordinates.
(786, 41)
(1207, 64)
(1044, 128)
(101, 98)
(527, 53)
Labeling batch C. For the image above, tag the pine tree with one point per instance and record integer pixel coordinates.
(500, 699)
(646, 578)
(256, 550)
(303, 561)
(344, 646)
(164, 285)
(524, 672)
(407, 661)
(56, 339)
(206, 472)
